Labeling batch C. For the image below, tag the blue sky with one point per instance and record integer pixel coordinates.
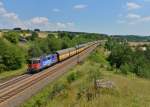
(101, 16)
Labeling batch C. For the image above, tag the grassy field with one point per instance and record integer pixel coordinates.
(9, 74)
(76, 88)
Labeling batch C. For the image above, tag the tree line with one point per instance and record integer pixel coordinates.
(128, 60)
(13, 56)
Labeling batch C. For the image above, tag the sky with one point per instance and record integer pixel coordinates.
(99, 16)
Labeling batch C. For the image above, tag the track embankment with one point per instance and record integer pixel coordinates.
(15, 92)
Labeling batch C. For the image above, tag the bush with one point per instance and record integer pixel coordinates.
(144, 71)
(13, 37)
(125, 68)
(98, 57)
(51, 35)
(35, 51)
(95, 57)
(72, 77)
(94, 72)
(2, 68)
(12, 57)
(66, 43)
(34, 36)
(57, 88)
(54, 44)
(44, 46)
(123, 58)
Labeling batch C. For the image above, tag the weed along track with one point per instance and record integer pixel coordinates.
(13, 93)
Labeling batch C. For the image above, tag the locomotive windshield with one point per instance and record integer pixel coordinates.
(33, 61)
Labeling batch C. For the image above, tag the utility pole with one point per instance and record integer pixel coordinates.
(78, 57)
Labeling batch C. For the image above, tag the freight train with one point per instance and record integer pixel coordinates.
(40, 63)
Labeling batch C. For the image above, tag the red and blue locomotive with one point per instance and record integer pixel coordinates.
(40, 63)
(37, 64)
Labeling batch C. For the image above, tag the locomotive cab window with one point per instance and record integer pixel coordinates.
(36, 61)
(33, 61)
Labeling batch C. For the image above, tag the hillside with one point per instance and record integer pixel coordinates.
(133, 38)
(76, 88)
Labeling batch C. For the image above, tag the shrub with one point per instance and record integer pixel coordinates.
(57, 88)
(34, 36)
(2, 68)
(13, 37)
(54, 44)
(144, 71)
(51, 35)
(127, 60)
(94, 73)
(12, 57)
(125, 68)
(71, 77)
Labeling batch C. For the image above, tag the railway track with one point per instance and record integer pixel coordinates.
(13, 87)
(13, 81)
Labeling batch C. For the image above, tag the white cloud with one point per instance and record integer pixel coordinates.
(132, 6)
(121, 21)
(133, 16)
(1, 4)
(141, 19)
(11, 20)
(70, 24)
(2, 10)
(60, 25)
(12, 16)
(80, 6)
(64, 25)
(39, 20)
(5, 14)
(56, 10)
(145, 19)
